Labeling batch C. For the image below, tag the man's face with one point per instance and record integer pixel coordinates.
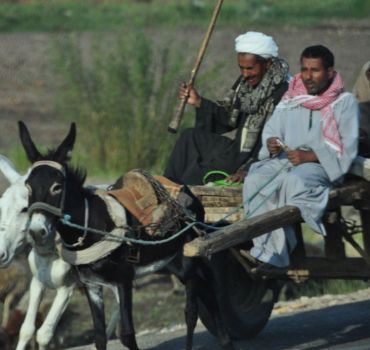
(316, 78)
(252, 70)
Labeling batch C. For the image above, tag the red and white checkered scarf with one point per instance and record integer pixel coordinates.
(297, 95)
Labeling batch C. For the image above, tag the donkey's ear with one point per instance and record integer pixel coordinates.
(8, 169)
(32, 153)
(63, 152)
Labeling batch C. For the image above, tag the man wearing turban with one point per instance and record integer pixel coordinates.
(227, 133)
(308, 145)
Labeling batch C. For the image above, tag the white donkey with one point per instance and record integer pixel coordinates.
(48, 270)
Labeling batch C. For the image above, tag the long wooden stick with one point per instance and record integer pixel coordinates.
(175, 122)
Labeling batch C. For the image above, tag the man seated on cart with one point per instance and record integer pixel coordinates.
(309, 143)
(227, 134)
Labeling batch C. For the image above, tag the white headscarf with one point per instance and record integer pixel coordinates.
(256, 43)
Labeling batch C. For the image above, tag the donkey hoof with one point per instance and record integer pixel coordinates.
(129, 341)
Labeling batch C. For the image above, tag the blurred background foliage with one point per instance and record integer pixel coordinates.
(121, 95)
(56, 15)
(118, 99)
(122, 92)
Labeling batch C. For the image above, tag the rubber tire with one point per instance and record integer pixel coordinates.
(245, 303)
(206, 318)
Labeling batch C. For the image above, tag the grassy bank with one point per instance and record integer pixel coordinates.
(117, 63)
(59, 15)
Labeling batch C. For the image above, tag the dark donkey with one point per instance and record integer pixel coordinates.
(57, 189)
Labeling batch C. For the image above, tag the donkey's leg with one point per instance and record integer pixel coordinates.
(28, 325)
(206, 293)
(191, 311)
(127, 331)
(115, 316)
(184, 269)
(95, 298)
(61, 301)
(8, 302)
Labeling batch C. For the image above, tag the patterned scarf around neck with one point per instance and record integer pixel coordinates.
(297, 95)
(257, 103)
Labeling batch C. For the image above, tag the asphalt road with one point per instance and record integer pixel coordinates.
(339, 327)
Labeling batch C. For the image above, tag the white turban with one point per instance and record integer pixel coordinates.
(257, 44)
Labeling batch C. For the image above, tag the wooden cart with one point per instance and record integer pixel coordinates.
(247, 301)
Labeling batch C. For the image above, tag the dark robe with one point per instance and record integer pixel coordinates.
(364, 141)
(205, 147)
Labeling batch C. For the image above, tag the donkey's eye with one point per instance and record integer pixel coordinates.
(24, 210)
(55, 189)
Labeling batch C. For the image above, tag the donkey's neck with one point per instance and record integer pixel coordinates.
(88, 211)
(46, 250)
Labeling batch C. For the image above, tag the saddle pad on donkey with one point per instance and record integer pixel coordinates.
(146, 198)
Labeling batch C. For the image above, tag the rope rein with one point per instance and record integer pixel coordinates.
(65, 219)
(81, 239)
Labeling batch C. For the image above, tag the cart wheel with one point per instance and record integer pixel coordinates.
(206, 318)
(245, 303)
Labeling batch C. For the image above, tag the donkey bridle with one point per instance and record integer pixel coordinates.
(57, 211)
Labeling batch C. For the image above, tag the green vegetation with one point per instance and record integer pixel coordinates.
(118, 99)
(18, 156)
(315, 243)
(121, 96)
(80, 15)
(127, 80)
(312, 288)
(159, 306)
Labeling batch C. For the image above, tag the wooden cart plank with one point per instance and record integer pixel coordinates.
(213, 215)
(216, 191)
(354, 192)
(218, 201)
(244, 230)
(214, 197)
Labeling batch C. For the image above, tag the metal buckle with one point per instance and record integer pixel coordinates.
(133, 255)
